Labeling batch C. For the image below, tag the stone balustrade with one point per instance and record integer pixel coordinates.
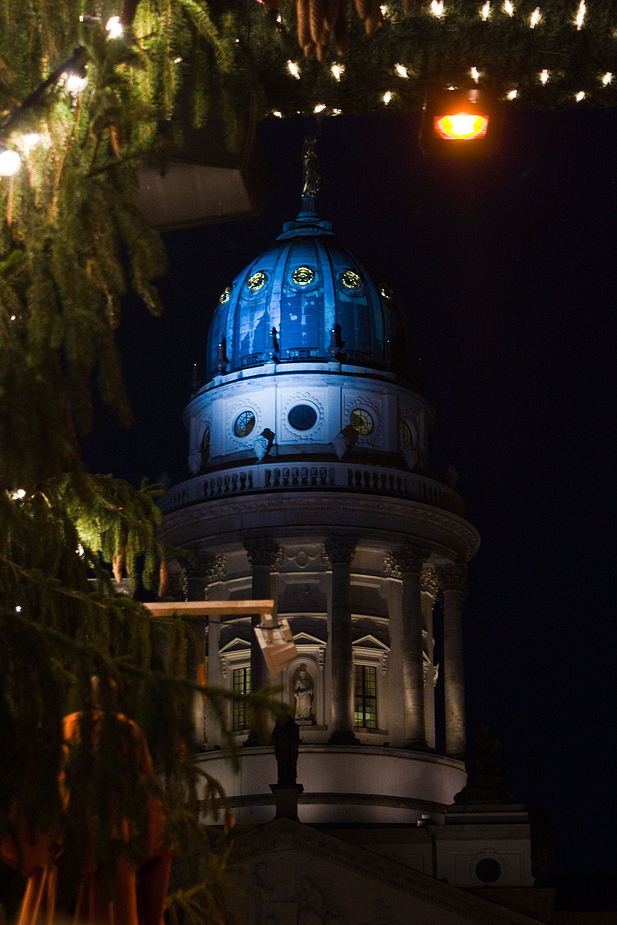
(340, 475)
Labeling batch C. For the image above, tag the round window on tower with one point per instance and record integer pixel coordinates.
(303, 276)
(302, 417)
(224, 296)
(361, 421)
(405, 435)
(351, 280)
(257, 281)
(244, 424)
(488, 870)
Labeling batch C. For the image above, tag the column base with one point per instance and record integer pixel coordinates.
(343, 738)
(418, 745)
(286, 800)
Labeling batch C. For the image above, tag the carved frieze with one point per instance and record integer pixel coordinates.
(408, 560)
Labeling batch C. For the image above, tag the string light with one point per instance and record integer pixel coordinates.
(544, 76)
(17, 495)
(293, 69)
(607, 78)
(535, 18)
(580, 96)
(508, 7)
(384, 9)
(76, 82)
(475, 74)
(387, 97)
(279, 115)
(18, 608)
(319, 108)
(437, 8)
(114, 27)
(580, 16)
(336, 112)
(512, 94)
(485, 12)
(31, 140)
(337, 70)
(10, 162)
(402, 71)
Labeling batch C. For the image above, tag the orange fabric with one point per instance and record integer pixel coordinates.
(137, 891)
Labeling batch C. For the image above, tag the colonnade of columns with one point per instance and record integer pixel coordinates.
(419, 589)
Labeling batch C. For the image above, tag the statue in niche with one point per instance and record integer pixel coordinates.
(304, 693)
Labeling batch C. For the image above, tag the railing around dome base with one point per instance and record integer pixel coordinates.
(373, 479)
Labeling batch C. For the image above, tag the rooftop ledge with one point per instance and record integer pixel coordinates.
(339, 476)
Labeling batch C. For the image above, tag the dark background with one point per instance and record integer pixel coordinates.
(508, 272)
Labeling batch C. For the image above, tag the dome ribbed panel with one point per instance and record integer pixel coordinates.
(304, 315)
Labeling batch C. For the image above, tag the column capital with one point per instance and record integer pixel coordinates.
(452, 577)
(408, 560)
(207, 567)
(263, 550)
(340, 550)
(429, 582)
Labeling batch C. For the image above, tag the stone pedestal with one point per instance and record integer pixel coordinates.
(286, 799)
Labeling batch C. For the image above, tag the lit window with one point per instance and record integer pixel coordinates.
(256, 281)
(365, 709)
(303, 276)
(241, 685)
(245, 422)
(361, 421)
(351, 280)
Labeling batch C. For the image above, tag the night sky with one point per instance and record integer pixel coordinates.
(507, 270)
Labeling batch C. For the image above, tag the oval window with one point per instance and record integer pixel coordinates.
(303, 276)
(244, 424)
(256, 281)
(404, 432)
(488, 870)
(302, 417)
(224, 296)
(351, 280)
(361, 421)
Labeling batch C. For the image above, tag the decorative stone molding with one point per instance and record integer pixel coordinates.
(390, 568)
(452, 577)
(208, 568)
(178, 584)
(263, 551)
(429, 582)
(340, 549)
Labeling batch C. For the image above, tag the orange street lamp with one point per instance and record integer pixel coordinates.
(461, 123)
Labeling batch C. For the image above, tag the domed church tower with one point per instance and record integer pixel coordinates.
(308, 453)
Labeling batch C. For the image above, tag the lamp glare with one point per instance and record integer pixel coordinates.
(437, 8)
(535, 18)
(607, 78)
(114, 27)
(485, 12)
(461, 126)
(10, 162)
(508, 7)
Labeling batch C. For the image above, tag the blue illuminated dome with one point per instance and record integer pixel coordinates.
(307, 299)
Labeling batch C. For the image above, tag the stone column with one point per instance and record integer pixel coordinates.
(263, 553)
(430, 589)
(452, 581)
(409, 560)
(340, 551)
(213, 731)
(207, 570)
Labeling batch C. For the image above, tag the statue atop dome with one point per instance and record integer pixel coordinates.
(310, 186)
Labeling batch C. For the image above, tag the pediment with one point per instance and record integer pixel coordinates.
(235, 645)
(305, 639)
(294, 874)
(370, 642)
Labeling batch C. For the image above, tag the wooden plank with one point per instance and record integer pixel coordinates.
(211, 608)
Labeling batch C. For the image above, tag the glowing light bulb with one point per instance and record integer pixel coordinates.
(384, 9)
(336, 112)
(279, 115)
(535, 18)
(337, 70)
(293, 69)
(475, 74)
(544, 76)
(508, 7)
(10, 162)
(580, 96)
(18, 495)
(18, 608)
(13, 317)
(76, 83)
(114, 27)
(461, 126)
(437, 8)
(580, 16)
(31, 140)
(485, 12)
(319, 108)
(512, 94)
(387, 97)
(607, 78)
(402, 71)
